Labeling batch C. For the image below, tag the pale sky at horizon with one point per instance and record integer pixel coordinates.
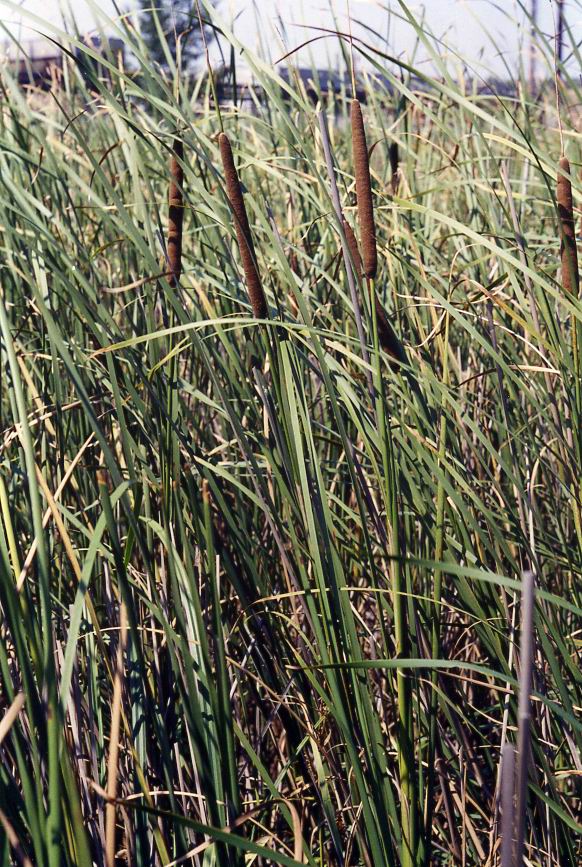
(475, 27)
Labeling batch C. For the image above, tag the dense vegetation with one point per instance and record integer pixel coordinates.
(261, 578)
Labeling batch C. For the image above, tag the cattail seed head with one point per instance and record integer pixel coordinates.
(353, 248)
(243, 231)
(103, 479)
(364, 191)
(175, 213)
(386, 335)
(394, 166)
(393, 157)
(568, 250)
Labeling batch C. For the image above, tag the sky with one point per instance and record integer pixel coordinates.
(484, 31)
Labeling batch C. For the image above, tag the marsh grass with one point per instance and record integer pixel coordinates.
(260, 581)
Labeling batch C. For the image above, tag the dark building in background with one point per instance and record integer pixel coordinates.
(39, 63)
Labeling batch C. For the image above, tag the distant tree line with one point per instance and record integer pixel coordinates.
(171, 29)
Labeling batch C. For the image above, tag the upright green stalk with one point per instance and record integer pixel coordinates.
(405, 729)
(437, 601)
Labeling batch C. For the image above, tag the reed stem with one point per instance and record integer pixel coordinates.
(405, 734)
(524, 709)
(507, 804)
(437, 598)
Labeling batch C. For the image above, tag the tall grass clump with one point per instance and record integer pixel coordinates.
(281, 611)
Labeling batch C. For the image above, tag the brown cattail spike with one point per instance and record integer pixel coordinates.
(386, 335)
(243, 231)
(394, 166)
(175, 213)
(568, 251)
(364, 192)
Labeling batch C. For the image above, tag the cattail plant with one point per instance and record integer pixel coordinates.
(175, 213)
(367, 263)
(524, 709)
(569, 260)
(243, 231)
(568, 252)
(364, 192)
(394, 158)
(560, 35)
(408, 805)
(354, 249)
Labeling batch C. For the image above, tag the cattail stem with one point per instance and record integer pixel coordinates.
(524, 709)
(437, 595)
(386, 336)
(243, 230)
(507, 804)
(175, 213)
(405, 736)
(364, 191)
